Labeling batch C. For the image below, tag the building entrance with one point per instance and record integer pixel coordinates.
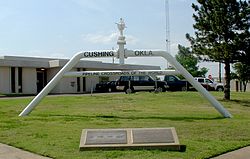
(41, 74)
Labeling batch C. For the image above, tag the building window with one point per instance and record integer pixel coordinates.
(13, 79)
(20, 79)
(103, 79)
(84, 82)
(78, 84)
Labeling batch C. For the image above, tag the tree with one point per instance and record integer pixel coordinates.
(190, 62)
(242, 73)
(221, 33)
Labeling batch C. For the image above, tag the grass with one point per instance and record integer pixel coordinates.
(53, 129)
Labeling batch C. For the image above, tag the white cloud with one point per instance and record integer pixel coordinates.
(3, 50)
(173, 48)
(111, 38)
(100, 38)
(131, 39)
(44, 54)
(59, 55)
(186, 1)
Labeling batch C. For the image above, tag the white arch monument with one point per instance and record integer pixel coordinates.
(123, 53)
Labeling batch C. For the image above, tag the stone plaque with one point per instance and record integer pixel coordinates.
(143, 136)
(130, 138)
(106, 137)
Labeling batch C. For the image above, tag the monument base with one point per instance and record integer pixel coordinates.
(130, 138)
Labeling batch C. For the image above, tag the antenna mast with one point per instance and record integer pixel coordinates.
(167, 29)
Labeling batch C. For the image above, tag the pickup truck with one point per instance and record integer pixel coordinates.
(209, 84)
(175, 84)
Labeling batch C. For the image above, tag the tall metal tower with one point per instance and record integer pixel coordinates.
(167, 28)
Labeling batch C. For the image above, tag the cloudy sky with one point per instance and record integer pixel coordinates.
(60, 28)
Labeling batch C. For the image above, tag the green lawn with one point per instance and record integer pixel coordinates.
(53, 129)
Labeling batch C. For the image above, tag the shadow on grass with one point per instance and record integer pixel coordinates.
(189, 119)
(245, 103)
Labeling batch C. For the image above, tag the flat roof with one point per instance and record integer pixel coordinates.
(37, 62)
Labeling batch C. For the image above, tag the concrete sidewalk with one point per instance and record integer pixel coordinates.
(9, 152)
(243, 153)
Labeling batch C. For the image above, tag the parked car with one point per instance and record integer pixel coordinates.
(106, 86)
(209, 84)
(130, 84)
(175, 84)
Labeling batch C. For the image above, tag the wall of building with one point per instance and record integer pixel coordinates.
(91, 83)
(5, 85)
(29, 78)
(33, 68)
(233, 84)
(68, 85)
(65, 85)
(50, 74)
(240, 86)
